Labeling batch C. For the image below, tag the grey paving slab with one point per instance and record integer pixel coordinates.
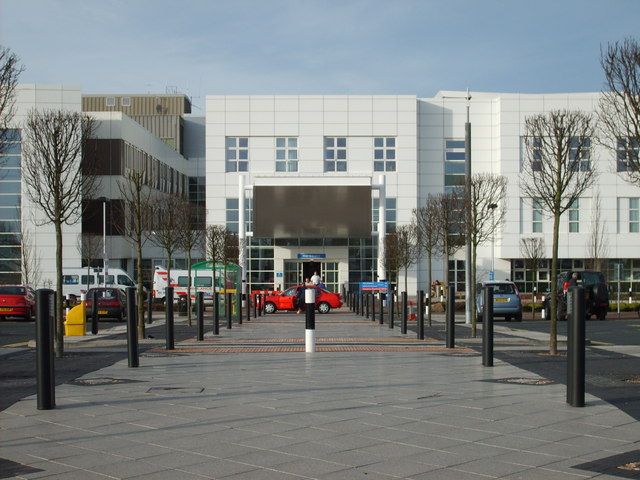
(329, 415)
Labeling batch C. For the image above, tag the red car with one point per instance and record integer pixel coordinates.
(17, 301)
(112, 303)
(325, 300)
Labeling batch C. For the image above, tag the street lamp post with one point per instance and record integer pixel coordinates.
(105, 261)
(492, 207)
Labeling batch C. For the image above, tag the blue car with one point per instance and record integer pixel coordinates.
(506, 300)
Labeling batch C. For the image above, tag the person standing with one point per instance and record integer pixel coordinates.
(315, 278)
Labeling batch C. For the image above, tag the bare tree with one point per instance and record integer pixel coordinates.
(51, 167)
(214, 249)
(190, 239)
(598, 246)
(557, 170)
(230, 252)
(167, 230)
(427, 237)
(619, 112)
(401, 251)
(30, 259)
(533, 251)
(450, 227)
(137, 208)
(486, 215)
(90, 248)
(10, 70)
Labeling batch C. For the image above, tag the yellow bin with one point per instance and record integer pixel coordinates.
(75, 324)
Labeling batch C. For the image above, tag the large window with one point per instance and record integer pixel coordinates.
(10, 222)
(454, 159)
(536, 210)
(237, 154)
(384, 154)
(390, 205)
(335, 154)
(626, 154)
(580, 153)
(634, 215)
(286, 154)
(574, 216)
(232, 214)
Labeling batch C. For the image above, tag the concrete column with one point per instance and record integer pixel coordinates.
(242, 235)
(382, 228)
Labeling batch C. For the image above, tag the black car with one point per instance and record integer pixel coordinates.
(596, 293)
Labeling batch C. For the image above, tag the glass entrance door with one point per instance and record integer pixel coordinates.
(296, 271)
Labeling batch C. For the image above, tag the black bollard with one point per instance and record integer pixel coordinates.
(373, 307)
(366, 301)
(168, 301)
(216, 313)
(356, 299)
(94, 312)
(451, 316)
(420, 315)
(132, 333)
(248, 297)
(239, 307)
(260, 301)
(487, 328)
(576, 346)
(405, 314)
(381, 317)
(45, 366)
(150, 307)
(200, 315)
(391, 309)
(255, 306)
(229, 310)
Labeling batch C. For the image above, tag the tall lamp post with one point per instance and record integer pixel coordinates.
(105, 261)
(492, 207)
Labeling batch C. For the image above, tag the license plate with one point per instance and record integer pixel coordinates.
(501, 300)
(102, 312)
(4, 309)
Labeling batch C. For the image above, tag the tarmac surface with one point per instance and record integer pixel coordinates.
(369, 403)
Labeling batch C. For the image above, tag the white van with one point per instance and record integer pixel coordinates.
(201, 281)
(76, 281)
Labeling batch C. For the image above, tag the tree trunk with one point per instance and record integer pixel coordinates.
(429, 288)
(139, 291)
(553, 318)
(59, 319)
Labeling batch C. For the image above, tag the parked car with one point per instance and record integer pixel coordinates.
(111, 303)
(506, 300)
(596, 293)
(325, 300)
(17, 301)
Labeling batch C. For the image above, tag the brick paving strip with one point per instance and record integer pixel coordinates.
(319, 348)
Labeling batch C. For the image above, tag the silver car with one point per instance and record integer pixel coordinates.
(506, 300)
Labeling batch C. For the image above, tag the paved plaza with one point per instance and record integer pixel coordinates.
(370, 403)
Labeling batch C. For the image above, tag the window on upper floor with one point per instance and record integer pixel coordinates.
(237, 154)
(580, 153)
(634, 215)
(536, 216)
(232, 216)
(335, 154)
(390, 213)
(454, 160)
(286, 154)
(574, 216)
(626, 154)
(533, 148)
(384, 154)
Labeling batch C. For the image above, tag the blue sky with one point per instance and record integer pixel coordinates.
(299, 46)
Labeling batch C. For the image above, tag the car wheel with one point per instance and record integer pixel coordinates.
(324, 307)
(507, 318)
(601, 314)
(270, 307)
(518, 317)
(479, 318)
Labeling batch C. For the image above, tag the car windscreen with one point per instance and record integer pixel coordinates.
(503, 289)
(592, 278)
(12, 291)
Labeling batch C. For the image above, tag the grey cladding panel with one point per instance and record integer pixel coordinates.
(312, 211)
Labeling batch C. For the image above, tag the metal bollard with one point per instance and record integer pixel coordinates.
(216, 313)
(391, 309)
(132, 334)
(576, 346)
(239, 307)
(255, 306)
(150, 307)
(45, 366)
(200, 315)
(421, 315)
(248, 297)
(451, 316)
(168, 300)
(260, 302)
(310, 320)
(228, 299)
(381, 318)
(94, 313)
(366, 301)
(405, 314)
(487, 328)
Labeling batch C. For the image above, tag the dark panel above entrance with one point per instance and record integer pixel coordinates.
(312, 211)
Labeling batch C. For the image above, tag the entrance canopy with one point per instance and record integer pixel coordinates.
(312, 210)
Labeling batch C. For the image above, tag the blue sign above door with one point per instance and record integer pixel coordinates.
(304, 256)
